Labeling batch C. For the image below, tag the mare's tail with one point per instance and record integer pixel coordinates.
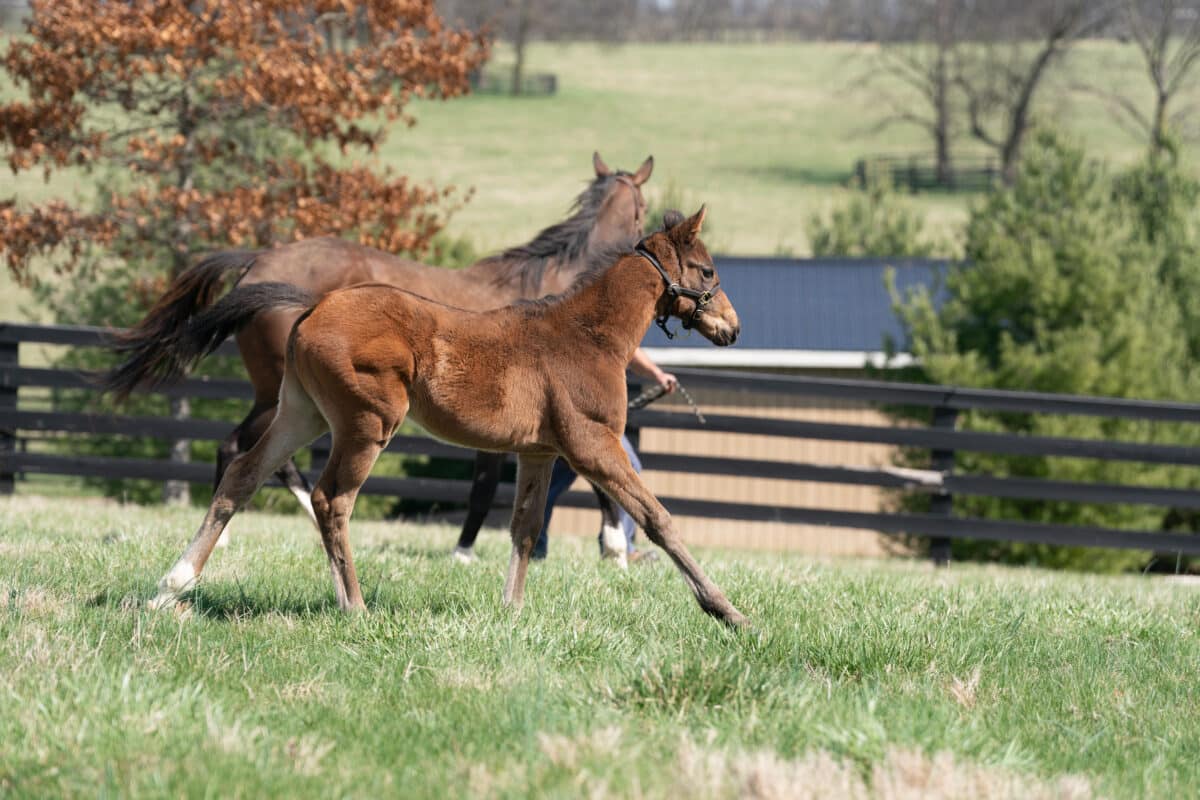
(185, 325)
(149, 347)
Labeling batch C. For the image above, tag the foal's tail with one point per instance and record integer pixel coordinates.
(189, 334)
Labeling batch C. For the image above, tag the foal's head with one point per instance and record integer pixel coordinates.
(702, 304)
(622, 213)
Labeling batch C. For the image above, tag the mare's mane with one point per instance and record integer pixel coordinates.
(562, 242)
(598, 263)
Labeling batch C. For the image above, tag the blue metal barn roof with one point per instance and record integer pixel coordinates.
(819, 306)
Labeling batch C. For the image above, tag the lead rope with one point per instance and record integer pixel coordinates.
(655, 391)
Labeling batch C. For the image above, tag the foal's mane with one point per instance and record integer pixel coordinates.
(563, 242)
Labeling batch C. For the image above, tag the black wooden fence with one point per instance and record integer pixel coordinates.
(919, 172)
(19, 427)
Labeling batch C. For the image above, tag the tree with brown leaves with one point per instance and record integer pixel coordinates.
(216, 123)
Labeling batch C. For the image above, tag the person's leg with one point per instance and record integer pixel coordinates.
(627, 523)
(560, 480)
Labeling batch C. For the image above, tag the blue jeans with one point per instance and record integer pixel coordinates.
(561, 480)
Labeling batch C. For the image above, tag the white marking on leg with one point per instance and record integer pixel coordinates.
(223, 540)
(305, 499)
(339, 588)
(464, 555)
(180, 579)
(613, 546)
(510, 582)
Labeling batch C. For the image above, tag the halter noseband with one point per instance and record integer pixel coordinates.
(675, 290)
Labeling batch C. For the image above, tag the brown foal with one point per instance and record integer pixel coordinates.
(541, 379)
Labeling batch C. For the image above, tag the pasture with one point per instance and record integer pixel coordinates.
(858, 679)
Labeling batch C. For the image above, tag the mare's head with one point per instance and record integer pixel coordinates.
(698, 299)
(621, 209)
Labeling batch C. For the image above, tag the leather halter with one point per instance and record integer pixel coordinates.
(675, 290)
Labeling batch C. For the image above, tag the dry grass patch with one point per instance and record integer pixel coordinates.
(963, 689)
(703, 772)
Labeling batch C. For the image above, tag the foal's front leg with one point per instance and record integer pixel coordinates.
(599, 457)
(533, 482)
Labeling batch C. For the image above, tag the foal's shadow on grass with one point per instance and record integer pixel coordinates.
(404, 550)
(228, 602)
(221, 604)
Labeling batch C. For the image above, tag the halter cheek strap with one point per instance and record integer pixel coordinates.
(675, 290)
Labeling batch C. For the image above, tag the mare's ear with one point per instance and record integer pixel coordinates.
(696, 222)
(602, 170)
(643, 173)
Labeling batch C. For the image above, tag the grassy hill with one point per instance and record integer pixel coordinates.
(859, 679)
(765, 134)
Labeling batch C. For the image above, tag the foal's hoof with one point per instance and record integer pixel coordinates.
(464, 555)
(174, 584)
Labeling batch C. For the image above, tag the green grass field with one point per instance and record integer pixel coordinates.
(858, 679)
(767, 135)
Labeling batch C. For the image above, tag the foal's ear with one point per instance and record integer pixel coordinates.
(643, 173)
(602, 170)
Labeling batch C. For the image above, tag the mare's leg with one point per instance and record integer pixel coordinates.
(239, 441)
(598, 456)
(533, 481)
(350, 461)
(561, 478)
(297, 423)
(613, 543)
(484, 480)
(244, 437)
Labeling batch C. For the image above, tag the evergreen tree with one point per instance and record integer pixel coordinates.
(1063, 290)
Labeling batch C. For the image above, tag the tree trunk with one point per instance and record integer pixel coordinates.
(941, 132)
(1158, 130)
(179, 492)
(942, 79)
(519, 36)
(1018, 121)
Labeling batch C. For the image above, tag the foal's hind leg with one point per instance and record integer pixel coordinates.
(297, 423)
(599, 457)
(484, 480)
(533, 481)
(350, 462)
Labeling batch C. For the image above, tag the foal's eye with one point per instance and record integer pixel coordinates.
(707, 272)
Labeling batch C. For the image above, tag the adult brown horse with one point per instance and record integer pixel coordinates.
(542, 379)
(609, 213)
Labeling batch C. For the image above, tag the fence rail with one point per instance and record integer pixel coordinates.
(920, 172)
(21, 426)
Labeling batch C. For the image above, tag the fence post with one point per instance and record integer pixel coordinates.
(943, 502)
(178, 493)
(10, 355)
